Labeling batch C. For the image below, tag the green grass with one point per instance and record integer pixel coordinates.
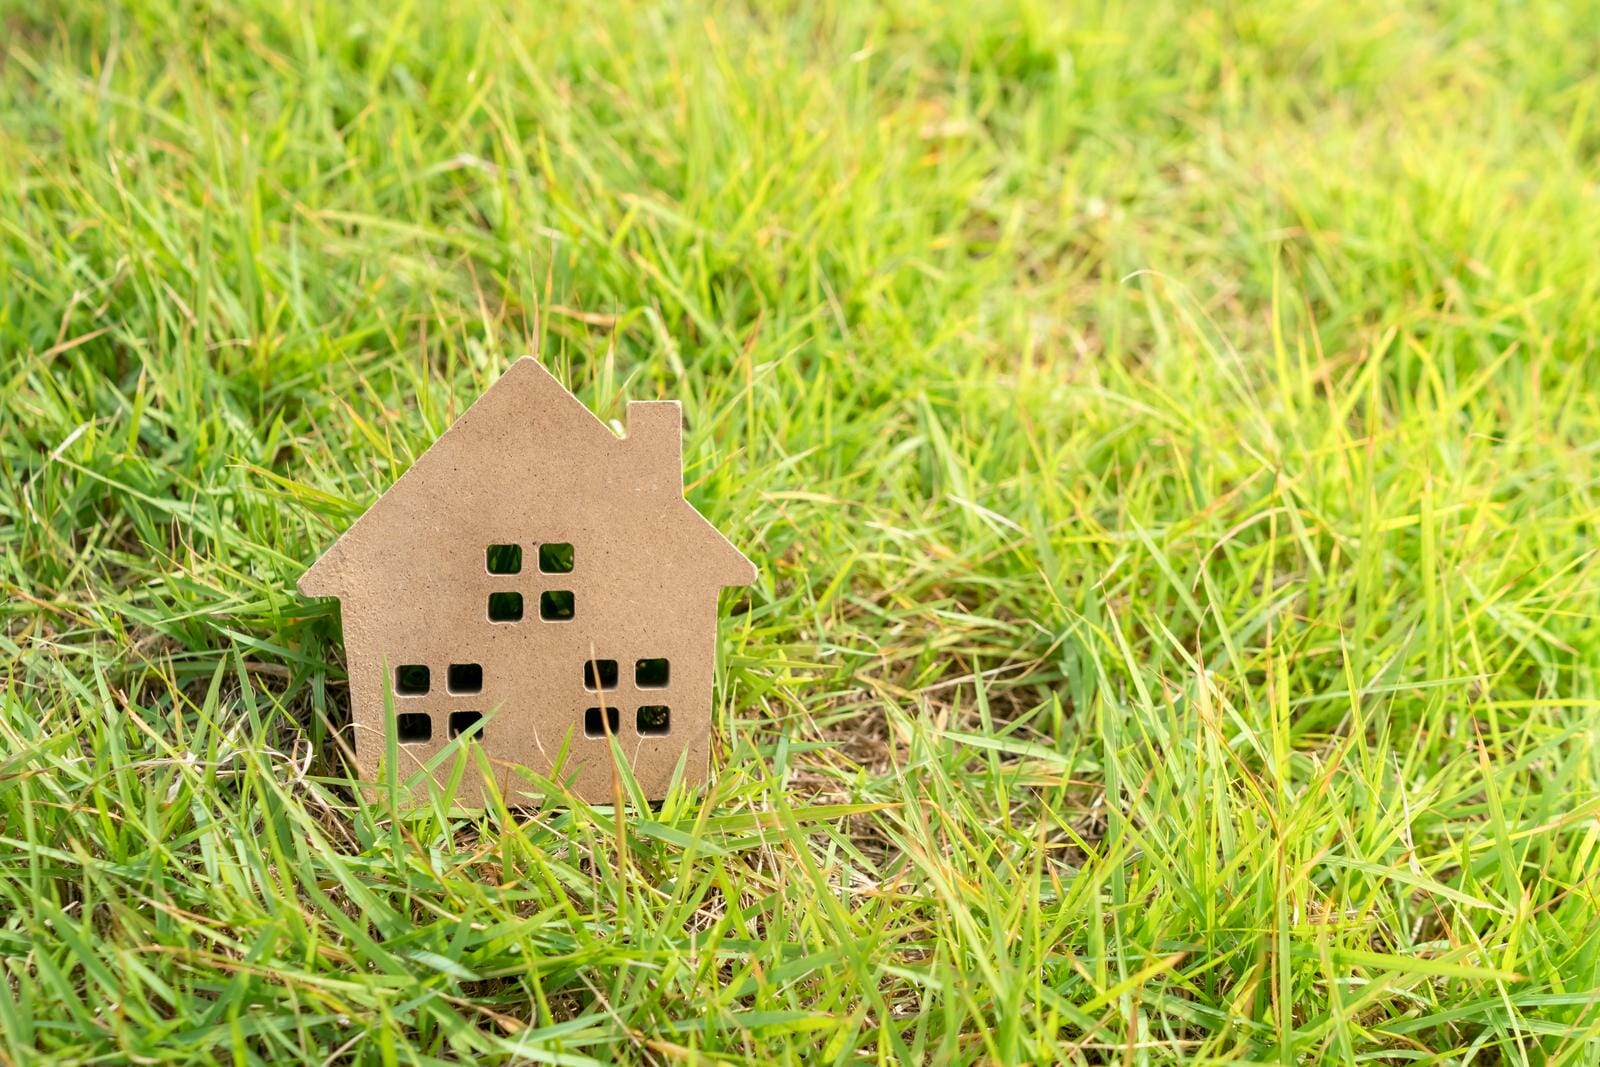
(1167, 438)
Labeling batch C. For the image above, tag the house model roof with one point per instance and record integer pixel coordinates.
(528, 438)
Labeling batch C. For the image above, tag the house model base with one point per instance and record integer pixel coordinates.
(535, 586)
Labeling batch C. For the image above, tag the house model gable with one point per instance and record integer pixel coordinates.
(538, 584)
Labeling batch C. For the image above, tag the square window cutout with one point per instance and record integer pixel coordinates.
(654, 720)
(503, 559)
(411, 679)
(555, 605)
(462, 721)
(556, 557)
(651, 674)
(505, 607)
(594, 726)
(465, 678)
(413, 727)
(606, 669)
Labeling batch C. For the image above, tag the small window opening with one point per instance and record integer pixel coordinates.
(595, 726)
(600, 674)
(411, 679)
(651, 673)
(556, 558)
(654, 720)
(505, 607)
(504, 559)
(462, 721)
(465, 678)
(555, 605)
(413, 727)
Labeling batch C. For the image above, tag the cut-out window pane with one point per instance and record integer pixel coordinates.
(600, 674)
(650, 674)
(411, 679)
(462, 721)
(465, 677)
(504, 559)
(556, 558)
(413, 727)
(595, 726)
(555, 605)
(654, 720)
(505, 607)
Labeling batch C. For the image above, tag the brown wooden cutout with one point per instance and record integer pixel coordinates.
(538, 584)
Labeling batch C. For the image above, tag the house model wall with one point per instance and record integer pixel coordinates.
(535, 583)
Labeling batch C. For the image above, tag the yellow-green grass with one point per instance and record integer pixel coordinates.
(1167, 438)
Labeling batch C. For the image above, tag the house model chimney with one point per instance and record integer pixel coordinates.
(655, 438)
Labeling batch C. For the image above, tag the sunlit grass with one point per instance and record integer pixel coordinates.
(1167, 439)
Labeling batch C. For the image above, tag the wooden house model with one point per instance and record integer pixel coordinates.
(534, 584)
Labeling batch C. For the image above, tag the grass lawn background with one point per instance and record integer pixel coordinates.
(1167, 438)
